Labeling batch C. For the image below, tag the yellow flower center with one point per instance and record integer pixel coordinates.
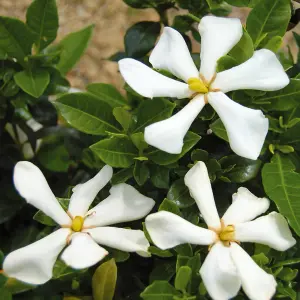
(197, 85)
(226, 235)
(77, 223)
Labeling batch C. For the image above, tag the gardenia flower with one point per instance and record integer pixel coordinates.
(246, 128)
(227, 266)
(81, 230)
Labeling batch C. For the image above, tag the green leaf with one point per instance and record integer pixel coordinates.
(219, 130)
(274, 43)
(184, 249)
(281, 184)
(261, 259)
(267, 19)
(243, 50)
(287, 262)
(15, 38)
(287, 292)
(282, 100)
(44, 219)
(162, 290)
(140, 38)
(122, 176)
(163, 270)
(158, 252)
(140, 172)
(104, 281)
(138, 141)
(287, 274)
(226, 62)
(183, 23)
(163, 158)
(160, 176)
(123, 116)
(244, 169)
(72, 47)
(42, 19)
(152, 111)
(169, 206)
(179, 194)
(15, 286)
(33, 82)
(116, 152)
(87, 113)
(199, 155)
(5, 294)
(61, 270)
(182, 278)
(239, 3)
(108, 93)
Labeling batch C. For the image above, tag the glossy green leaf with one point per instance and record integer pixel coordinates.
(160, 176)
(240, 3)
(288, 262)
(184, 249)
(140, 38)
(104, 281)
(219, 130)
(116, 152)
(281, 184)
(139, 141)
(87, 113)
(162, 290)
(226, 62)
(169, 206)
(163, 270)
(267, 19)
(122, 176)
(274, 43)
(44, 219)
(15, 38)
(152, 111)
(108, 93)
(288, 274)
(163, 158)
(33, 82)
(123, 116)
(72, 47)
(158, 252)
(179, 194)
(244, 169)
(183, 277)
(282, 100)
(140, 172)
(42, 19)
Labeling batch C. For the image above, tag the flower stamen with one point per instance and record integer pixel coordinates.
(77, 223)
(195, 84)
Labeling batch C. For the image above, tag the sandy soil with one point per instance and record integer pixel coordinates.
(111, 19)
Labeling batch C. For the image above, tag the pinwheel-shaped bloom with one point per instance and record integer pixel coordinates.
(81, 230)
(227, 266)
(246, 128)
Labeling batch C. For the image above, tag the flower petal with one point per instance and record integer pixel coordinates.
(32, 185)
(218, 37)
(197, 180)
(271, 230)
(83, 252)
(246, 128)
(124, 204)
(256, 283)
(219, 274)
(172, 54)
(123, 239)
(262, 71)
(149, 83)
(168, 135)
(34, 263)
(85, 193)
(168, 230)
(245, 207)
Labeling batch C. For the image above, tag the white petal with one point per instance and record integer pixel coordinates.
(85, 193)
(246, 128)
(83, 252)
(271, 230)
(149, 83)
(197, 180)
(172, 54)
(168, 230)
(168, 135)
(262, 71)
(219, 274)
(32, 185)
(34, 263)
(256, 283)
(218, 37)
(123, 239)
(245, 207)
(124, 204)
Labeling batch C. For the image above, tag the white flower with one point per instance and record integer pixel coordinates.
(246, 128)
(227, 266)
(81, 228)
